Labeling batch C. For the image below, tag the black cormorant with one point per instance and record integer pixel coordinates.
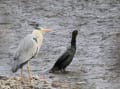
(66, 58)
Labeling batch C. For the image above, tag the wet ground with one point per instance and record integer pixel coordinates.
(96, 64)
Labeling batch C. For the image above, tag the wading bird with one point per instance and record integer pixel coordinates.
(66, 58)
(28, 49)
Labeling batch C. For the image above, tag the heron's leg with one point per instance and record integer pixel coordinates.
(22, 79)
(28, 69)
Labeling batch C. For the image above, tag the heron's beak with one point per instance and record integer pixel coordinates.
(46, 30)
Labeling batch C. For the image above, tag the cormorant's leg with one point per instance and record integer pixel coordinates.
(28, 69)
(63, 70)
(22, 79)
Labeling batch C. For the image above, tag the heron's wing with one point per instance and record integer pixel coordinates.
(63, 57)
(27, 49)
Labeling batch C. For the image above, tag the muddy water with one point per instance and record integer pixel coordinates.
(96, 64)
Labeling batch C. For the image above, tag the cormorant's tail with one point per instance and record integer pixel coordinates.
(53, 69)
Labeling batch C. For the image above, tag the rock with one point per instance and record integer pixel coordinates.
(59, 84)
(55, 85)
(51, 76)
(79, 83)
(3, 78)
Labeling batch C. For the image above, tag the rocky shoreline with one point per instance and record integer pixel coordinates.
(37, 82)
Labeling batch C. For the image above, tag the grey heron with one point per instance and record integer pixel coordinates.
(28, 49)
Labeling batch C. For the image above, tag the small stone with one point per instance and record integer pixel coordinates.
(8, 83)
(55, 84)
(79, 83)
(51, 76)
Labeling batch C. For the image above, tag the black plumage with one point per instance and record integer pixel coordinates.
(66, 58)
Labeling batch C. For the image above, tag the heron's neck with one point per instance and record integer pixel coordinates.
(39, 36)
(37, 33)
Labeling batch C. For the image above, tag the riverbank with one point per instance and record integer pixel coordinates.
(37, 82)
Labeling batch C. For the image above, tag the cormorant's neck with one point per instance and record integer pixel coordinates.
(73, 41)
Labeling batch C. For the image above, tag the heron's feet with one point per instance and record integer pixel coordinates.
(29, 79)
(25, 81)
(21, 80)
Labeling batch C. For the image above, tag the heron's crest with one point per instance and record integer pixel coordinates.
(35, 25)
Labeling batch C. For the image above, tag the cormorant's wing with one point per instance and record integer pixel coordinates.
(63, 57)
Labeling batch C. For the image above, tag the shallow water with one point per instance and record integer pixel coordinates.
(97, 60)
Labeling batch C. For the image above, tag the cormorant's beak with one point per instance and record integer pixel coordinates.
(46, 30)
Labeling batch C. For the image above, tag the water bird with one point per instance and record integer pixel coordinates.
(66, 58)
(28, 49)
